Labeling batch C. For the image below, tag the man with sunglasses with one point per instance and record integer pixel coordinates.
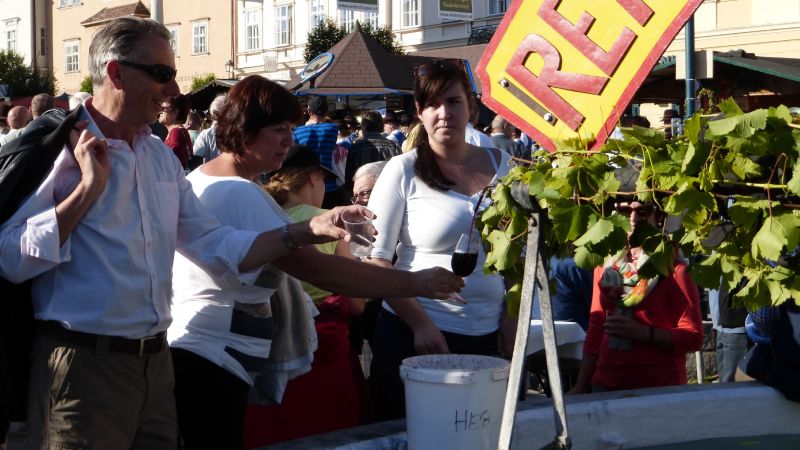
(98, 238)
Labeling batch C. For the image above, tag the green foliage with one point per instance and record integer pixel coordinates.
(328, 33)
(322, 37)
(385, 37)
(202, 80)
(21, 79)
(745, 157)
(86, 85)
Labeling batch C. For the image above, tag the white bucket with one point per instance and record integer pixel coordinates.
(454, 401)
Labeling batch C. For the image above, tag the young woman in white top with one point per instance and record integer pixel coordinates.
(424, 200)
(216, 337)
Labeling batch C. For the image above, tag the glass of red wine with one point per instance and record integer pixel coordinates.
(465, 255)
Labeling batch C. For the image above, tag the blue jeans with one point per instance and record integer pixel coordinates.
(731, 348)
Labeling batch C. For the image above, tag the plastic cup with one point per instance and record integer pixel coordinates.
(360, 229)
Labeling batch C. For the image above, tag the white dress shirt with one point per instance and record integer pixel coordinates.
(113, 274)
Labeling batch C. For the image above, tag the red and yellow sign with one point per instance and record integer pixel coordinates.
(565, 69)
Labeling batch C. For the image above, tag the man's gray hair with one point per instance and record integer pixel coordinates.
(216, 106)
(499, 123)
(372, 169)
(118, 41)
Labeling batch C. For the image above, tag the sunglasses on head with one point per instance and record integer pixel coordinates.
(642, 210)
(159, 72)
(440, 65)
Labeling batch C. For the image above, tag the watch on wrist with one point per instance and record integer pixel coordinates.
(288, 240)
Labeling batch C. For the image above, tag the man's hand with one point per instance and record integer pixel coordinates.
(436, 282)
(330, 227)
(428, 340)
(91, 154)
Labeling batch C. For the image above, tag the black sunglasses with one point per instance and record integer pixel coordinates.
(159, 72)
(424, 69)
(643, 210)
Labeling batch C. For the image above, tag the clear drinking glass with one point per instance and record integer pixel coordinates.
(360, 229)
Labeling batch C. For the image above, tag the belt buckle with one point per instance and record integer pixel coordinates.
(142, 342)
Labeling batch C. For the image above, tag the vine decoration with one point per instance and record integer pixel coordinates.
(728, 180)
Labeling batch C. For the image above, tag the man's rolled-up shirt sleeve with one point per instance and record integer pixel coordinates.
(29, 240)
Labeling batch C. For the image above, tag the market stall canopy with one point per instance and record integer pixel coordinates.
(201, 97)
(766, 80)
(361, 66)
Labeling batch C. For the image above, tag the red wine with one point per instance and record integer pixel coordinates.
(463, 264)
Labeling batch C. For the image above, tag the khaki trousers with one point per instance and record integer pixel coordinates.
(90, 398)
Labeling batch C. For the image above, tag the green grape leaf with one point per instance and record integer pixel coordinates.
(781, 112)
(646, 236)
(596, 233)
(501, 198)
(535, 182)
(778, 232)
(518, 225)
(794, 182)
(745, 168)
(741, 126)
(729, 107)
(570, 222)
(707, 273)
(647, 136)
(746, 211)
(696, 156)
(500, 256)
(693, 127)
(586, 259)
(693, 204)
(490, 215)
(755, 293)
(513, 298)
(659, 261)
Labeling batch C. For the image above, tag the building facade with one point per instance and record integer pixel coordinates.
(25, 28)
(763, 27)
(272, 34)
(202, 35)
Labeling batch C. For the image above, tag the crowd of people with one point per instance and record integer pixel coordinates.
(194, 287)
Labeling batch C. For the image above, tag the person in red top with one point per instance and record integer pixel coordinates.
(173, 114)
(647, 346)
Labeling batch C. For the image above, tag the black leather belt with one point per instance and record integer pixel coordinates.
(147, 345)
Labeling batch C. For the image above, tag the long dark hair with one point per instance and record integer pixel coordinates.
(436, 79)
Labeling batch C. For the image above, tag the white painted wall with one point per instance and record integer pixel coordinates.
(16, 14)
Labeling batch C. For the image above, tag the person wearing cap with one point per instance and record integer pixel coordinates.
(298, 186)
(223, 330)
(320, 135)
(391, 128)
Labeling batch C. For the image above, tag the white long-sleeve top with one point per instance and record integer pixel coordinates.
(427, 223)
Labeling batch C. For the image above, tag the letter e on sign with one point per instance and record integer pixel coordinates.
(561, 69)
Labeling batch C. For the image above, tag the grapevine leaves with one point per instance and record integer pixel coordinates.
(734, 158)
(779, 232)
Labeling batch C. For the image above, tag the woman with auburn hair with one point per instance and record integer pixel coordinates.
(173, 114)
(223, 330)
(425, 200)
